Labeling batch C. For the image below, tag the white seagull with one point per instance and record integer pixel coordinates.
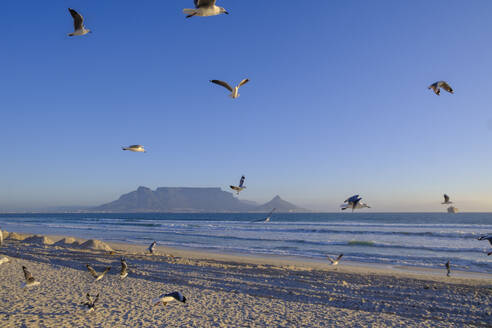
(91, 303)
(436, 87)
(135, 148)
(205, 8)
(234, 91)
(354, 203)
(241, 186)
(4, 259)
(152, 247)
(446, 200)
(94, 274)
(489, 238)
(30, 281)
(78, 24)
(124, 269)
(335, 261)
(166, 298)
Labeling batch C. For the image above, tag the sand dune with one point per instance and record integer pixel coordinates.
(229, 291)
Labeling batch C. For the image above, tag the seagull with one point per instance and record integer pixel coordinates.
(267, 219)
(234, 91)
(4, 259)
(91, 303)
(354, 203)
(446, 200)
(1, 237)
(135, 148)
(440, 84)
(94, 273)
(124, 269)
(78, 24)
(239, 188)
(166, 298)
(489, 238)
(448, 268)
(205, 8)
(30, 281)
(152, 247)
(335, 261)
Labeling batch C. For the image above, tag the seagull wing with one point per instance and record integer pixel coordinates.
(339, 257)
(89, 298)
(241, 182)
(446, 86)
(330, 259)
(78, 20)
(92, 271)
(446, 198)
(243, 82)
(222, 83)
(27, 274)
(204, 3)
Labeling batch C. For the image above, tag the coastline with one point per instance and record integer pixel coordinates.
(230, 290)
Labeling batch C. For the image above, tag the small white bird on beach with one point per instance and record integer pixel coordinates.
(4, 259)
(78, 24)
(94, 274)
(234, 91)
(241, 186)
(91, 303)
(334, 262)
(30, 281)
(166, 298)
(436, 87)
(446, 200)
(489, 238)
(124, 269)
(354, 203)
(152, 247)
(205, 8)
(135, 148)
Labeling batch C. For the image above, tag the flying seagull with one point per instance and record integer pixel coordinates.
(489, 238)
(241, 186)
(335, 261)
(166, 298)
(91, 303)
(94, 274)
(124, 269)
(152, 247)
(30, 281)
(234, 91)
(205, 8)
(78, 24)
(446, 200)
(135, 148)
(267, 219)
(354, 203)
(448, 268)
(436, 87)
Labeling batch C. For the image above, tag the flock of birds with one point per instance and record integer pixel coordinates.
(207, 8)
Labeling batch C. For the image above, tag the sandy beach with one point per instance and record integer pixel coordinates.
(226, 290)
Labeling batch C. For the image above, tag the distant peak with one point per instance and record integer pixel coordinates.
(142, 188)
(276, 197)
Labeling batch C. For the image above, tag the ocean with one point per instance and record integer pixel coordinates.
(411, 239)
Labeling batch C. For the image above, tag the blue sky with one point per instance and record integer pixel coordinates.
(337, 104)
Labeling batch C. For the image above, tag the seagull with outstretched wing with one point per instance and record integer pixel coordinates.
(436, 87)
(241, 186)
(205, 8)
(30, 281)
(335, 261)
(95, 275)
(234, 91)
(78, 24)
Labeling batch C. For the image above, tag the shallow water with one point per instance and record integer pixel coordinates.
(419, 239)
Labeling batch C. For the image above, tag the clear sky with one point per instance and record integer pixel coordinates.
(337, 104)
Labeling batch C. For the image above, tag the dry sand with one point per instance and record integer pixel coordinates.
(226, 290)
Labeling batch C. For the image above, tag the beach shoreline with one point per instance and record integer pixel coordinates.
(225, 290)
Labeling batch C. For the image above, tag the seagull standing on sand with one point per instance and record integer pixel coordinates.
(30, 281)
(78, 24)
(234, 91)
(205, 8)
(135, 148)
(152, 247)
(241, 186)
(91, 303)
(335, 261)
(4, 259)
(94, 274)
(166, 298)
(354, 203)
(489, 238)
(124, 269)
(436, 87)
(448, 268)
(446, 200)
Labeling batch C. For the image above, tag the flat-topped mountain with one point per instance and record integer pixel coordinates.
(180, 199)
